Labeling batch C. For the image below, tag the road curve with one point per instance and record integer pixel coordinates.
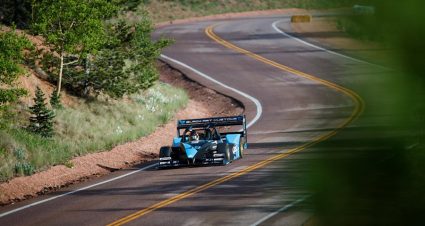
(301, 94)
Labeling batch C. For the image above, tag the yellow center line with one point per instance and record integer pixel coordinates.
(358, 109)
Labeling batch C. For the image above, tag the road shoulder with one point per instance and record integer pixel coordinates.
(324, 31)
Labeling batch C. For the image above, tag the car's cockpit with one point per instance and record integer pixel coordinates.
(209, 133)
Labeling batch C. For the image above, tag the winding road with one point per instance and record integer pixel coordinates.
(294, 95)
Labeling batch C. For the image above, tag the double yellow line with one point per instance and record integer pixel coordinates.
(358, 109)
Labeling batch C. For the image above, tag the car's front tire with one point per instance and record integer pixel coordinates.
(165, 159)
(165, 151)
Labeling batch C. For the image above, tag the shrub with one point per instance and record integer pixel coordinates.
(11, 55)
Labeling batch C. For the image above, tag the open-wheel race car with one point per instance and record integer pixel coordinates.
(206, 141)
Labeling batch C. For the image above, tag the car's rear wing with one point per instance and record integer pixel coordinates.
(216, 121)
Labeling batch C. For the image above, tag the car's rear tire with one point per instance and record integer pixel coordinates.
(224, 148)
(231, 154)
(241, 148)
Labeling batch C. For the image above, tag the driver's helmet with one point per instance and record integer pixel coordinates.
(194, 136)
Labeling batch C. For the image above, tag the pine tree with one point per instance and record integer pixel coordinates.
(42, 120)
(55, 100)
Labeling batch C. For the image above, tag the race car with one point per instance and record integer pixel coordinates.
(206, 141)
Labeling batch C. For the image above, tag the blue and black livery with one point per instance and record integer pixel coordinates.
(215, 143)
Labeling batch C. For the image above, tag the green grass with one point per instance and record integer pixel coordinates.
(165, 10)
(362, 27)
(89, 127)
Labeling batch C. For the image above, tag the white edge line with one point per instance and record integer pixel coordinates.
(257, 116)
(75, 191)
(274, 25)
(253, 99)
(280, 210)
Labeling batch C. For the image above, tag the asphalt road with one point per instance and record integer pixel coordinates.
(297, 110)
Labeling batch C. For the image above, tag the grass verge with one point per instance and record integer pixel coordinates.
(166, 10)
(88, 127)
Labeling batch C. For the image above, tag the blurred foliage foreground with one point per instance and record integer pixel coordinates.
(374, 172)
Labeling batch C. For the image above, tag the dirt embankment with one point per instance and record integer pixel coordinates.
(257, 13)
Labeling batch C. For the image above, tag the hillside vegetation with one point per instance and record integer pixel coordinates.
(86, 127)
(95, 76)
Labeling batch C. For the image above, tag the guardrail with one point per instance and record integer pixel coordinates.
(300, 18)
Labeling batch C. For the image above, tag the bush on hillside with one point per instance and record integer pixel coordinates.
(11, 55)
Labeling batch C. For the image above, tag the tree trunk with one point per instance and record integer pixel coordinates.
(87, 73)
(60, 74)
